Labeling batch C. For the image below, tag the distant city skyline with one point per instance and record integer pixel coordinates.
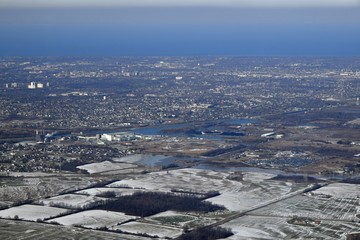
(198, 27)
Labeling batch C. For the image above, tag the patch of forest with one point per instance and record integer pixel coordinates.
(149, 203)
(207, 234)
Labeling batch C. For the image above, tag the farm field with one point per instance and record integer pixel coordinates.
(343, 205)
(105, 167)
(72, 201)
(326, 213)
(152, 230)
(172, 218)
(329, 212)
(32, 212)
(93, 219)
(265, 227)
(37, 185)
(117, 191)
(340, 190)
(141, 159)
(10, 230)
(236, 195)
(181, 220)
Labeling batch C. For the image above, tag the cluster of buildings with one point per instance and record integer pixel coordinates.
(170, 90)
(31, 85)
(35, 85)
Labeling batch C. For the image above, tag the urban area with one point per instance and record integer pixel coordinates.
(180, 148)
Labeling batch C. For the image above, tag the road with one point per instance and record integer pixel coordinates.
(261, 205)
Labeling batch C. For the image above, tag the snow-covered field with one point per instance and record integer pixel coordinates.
(73, 201)
(340, 190)
(316, 207)
(31, 174)
(32, 212)
(336, 206)
(118, 191)
(148, 160)
(105, 167)
(235, 195)
(93, 219)
(264, 227)
(149, 229)
(172, 218)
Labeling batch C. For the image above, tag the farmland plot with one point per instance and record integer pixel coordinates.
(93, 219)
(342, 205)
(105, 167)
(21, 189)
(141, 159)
(340, 190)
(10, 230)
(149, 229)
(72, 201)
(265, 227)
(172, 218)
(32, 212)
(118, 191)
(179, 219)
(235, 195)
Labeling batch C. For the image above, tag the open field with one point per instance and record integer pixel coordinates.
(10, 230)
(333, 207)
(181, 220)
(40, 186)
(118, 191)
(331, 212)
(72, 201)
(149, 229)
(344, 205)
(313, 207)
(340, 190)
(265, 227)
(32, 212)
(235, 195)
(93, 219)
(105, 167)
(172, 218)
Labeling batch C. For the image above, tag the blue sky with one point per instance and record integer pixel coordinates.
(172, 27)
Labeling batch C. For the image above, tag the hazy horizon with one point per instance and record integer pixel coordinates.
(174, 28)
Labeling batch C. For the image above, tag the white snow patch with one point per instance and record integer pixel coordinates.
(93, 219)
(149, 229)
(247, 232)
(32, 212)
(234, 202)
(117, 191)
(74, 201)
(105, 166)
(340, 190)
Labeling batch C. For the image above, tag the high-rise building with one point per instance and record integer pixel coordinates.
(32, 85)
(40, 136)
